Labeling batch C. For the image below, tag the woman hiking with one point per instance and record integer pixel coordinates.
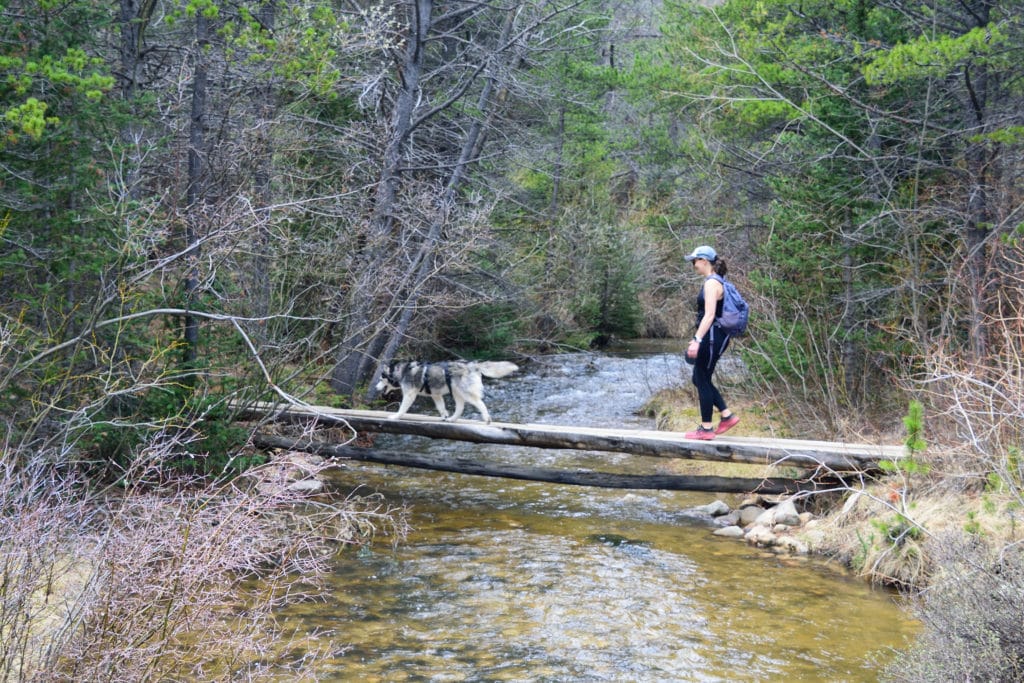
(708, 344)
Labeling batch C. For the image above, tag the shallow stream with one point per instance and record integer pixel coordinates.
(503, 580)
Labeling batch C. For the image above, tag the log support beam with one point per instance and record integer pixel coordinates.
(465, 465)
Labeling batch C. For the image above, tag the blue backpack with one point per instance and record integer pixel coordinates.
(735, 310)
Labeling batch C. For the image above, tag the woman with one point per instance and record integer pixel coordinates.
(708, 344)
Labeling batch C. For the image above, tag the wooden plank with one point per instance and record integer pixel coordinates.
(838, 457)
(467, 465)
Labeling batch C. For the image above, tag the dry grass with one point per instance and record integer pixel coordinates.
(675, 409)
(892, 536)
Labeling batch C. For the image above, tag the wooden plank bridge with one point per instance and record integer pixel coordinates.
(820, 464)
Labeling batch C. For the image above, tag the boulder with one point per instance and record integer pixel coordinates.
(766, 518)
(749, 514)
(715, 509)
(785, 513)
(731, 519)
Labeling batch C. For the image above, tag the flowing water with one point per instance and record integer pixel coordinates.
(503, 580)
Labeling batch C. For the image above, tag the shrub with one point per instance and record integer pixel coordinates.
(154, 583)
(482, 331)
(208, 441)
(972, 618)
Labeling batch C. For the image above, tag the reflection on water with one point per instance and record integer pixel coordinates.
(524, 581)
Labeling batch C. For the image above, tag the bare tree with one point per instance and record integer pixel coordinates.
(466, 51)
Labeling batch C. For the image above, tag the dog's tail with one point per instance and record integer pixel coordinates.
(496, 369)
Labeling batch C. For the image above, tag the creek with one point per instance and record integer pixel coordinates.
(503, 580)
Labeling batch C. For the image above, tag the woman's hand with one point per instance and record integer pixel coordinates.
(692, 348)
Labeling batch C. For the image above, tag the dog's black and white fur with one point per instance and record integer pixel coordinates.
(461, 379)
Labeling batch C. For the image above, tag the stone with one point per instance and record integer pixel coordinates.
(766, 518)
(749, 514)
(731, 519)
(850, 503)
(306, 486)
(785, 513)
(729, 532)
(813, 538)
(760, 535)
(715, 509)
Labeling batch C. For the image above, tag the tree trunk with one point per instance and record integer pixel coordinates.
(849, 319)
(833, 457)
(367, 302)
(424, 259)
(979, 211)
(262, 180)
(196, 190)
(662, 482)
(135, 16)
(556, 184)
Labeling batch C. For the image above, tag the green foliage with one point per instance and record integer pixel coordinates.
(972, 526)
(865, 545)
(39, 78)
(204, 438)
(898, 530)
(914, 423)
(928, 56)
(610, 304)
(915, 443)
(301, 52)
(30, 118)
(57, 157)
(485, 330)
(1010, 476)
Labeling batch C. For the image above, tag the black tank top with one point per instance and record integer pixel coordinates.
(700, 306)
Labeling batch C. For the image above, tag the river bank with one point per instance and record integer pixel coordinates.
(888, 530)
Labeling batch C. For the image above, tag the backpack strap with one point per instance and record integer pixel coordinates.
(716, 276)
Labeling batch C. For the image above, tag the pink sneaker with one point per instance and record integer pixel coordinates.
(700, 433)
(727, 423)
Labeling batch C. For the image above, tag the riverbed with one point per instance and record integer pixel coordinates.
(503, 580)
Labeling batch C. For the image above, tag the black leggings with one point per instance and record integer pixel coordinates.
(711, 349)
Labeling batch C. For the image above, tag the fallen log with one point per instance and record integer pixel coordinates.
(466, 465)
(826, 456)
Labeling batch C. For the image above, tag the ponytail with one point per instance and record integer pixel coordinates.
(720, 267)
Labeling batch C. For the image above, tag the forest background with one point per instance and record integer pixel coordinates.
(207, 200)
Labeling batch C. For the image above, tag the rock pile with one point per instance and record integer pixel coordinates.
(778, 525)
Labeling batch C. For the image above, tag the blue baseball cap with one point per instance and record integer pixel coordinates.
(704, 252)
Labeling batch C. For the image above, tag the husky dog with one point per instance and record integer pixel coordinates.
(461, 379)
